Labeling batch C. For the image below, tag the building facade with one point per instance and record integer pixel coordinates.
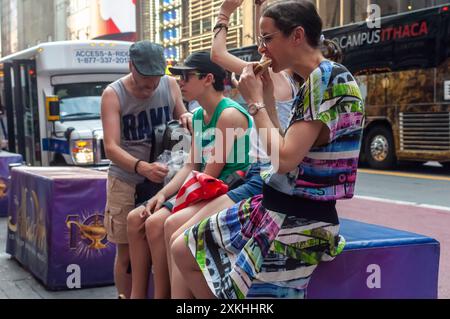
(9, 22)
(144, 27)
(341, 12)
(26, 23)
(61, 12)
(88, 19)
(185, 26)
(39, 26)
(181, 26)
(170, 31)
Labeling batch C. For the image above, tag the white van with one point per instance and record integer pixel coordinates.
(51, 100)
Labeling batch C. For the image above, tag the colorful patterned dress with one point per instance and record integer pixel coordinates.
(251, 251)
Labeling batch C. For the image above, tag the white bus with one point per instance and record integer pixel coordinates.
(51, 100)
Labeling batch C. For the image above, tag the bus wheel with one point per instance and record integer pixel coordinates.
(379, 148)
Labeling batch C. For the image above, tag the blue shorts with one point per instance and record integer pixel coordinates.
(253, 184)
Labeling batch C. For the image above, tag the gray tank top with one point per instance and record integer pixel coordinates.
(137, 119)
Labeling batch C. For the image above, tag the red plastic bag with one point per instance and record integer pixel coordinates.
(197, 187)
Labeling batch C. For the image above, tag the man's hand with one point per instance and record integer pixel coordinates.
(155, 203)
(156, 172)
(186, 121)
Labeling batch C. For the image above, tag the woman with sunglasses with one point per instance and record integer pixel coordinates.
(284, 91)
(270, 245)
(285, 83)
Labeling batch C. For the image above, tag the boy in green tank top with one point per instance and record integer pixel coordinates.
(220, 146)
(205, 137)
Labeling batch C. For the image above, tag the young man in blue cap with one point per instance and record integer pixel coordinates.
(220, 147)
(131, 108)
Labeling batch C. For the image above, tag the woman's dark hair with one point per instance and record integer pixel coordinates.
(290, 14)
(331, 51)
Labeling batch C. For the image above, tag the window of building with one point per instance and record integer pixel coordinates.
(387, 7)
(330, 11)
(170, 34)
(206, 24)
(355, 10)
(196, 27)
(409, 5)
(171, 53)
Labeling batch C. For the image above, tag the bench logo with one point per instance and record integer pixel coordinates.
(3, 188)
(88, 232)
(374, 279)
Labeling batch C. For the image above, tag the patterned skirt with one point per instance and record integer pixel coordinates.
(248, 251)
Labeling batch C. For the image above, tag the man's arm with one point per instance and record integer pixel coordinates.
(172, 188)
(110, 113)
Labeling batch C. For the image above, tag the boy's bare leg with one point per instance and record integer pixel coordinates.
(139, 253)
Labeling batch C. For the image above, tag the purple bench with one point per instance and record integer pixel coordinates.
(6, 159)
(55, 226)
(379, 262)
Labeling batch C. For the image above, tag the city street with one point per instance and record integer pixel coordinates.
(413, 199)
(96, 99)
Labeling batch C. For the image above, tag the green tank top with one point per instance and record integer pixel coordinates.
(204, 137)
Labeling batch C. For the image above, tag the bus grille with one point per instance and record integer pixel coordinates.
(425, 131)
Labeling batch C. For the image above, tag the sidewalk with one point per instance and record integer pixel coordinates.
(17, 283)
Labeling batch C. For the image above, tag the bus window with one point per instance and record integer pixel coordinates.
(80, 101)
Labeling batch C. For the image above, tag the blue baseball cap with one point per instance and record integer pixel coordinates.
(148, 58)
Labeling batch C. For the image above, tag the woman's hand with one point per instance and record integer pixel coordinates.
(268, 87)
(250, 86)
(229, 6)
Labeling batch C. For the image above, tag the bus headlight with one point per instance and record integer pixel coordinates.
(82, 152)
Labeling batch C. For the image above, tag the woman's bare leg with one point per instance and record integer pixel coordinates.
(179, 290)
(190, 271)
(178, 287)
(139, 253)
